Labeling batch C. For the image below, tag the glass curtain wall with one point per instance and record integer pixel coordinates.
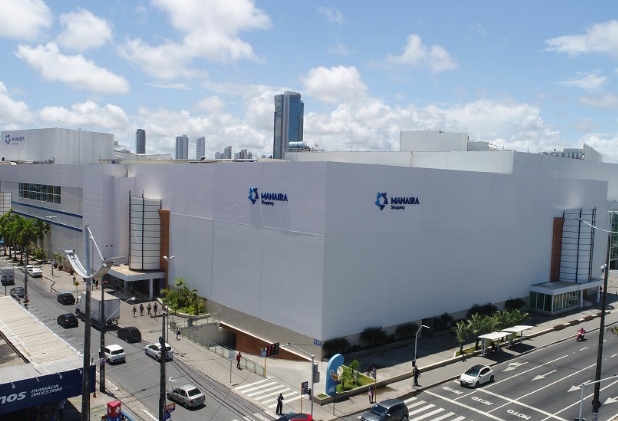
(554, 303)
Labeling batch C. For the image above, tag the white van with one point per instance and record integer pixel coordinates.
(114, 354)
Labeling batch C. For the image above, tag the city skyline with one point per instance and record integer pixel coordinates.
(212, 67)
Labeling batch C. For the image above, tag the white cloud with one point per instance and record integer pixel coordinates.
(83, 30)
(605, 100)
(211, 30)
(168, 85)
(340, 49)
(599, 38)
(592, 81)
(606, 145)
(210, 104)
(75, 71)
(436, 58)
(334, 85)
(333, 15)
(12, 113)
(86, 114)
(24, 19)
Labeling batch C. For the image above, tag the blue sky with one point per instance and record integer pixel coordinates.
(529, 76)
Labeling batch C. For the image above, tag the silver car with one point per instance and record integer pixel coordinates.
(154, 351)
(477, 375)
(187, 395)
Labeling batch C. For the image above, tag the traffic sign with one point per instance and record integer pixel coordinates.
(170, 407)
(102, 361)
(263, 352)
(231, 355)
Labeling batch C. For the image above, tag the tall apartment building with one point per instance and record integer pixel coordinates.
(227, 153)
(182, 147)
(140, 141)
(288, 122)
(200, 147)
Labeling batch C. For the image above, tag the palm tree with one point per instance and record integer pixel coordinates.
(44, 229)
(503, 319)
(462, 331)
(477, 325)
(4, 227)
(28, 235)
(15, 228)
(517, 316)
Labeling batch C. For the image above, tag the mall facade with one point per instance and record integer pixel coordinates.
(316, 248)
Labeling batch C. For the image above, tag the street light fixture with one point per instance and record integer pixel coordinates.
(416, 342)
(312, 371)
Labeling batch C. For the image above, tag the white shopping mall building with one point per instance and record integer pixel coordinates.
(323, 245)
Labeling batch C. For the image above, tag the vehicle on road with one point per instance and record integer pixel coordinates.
(130, 334)
(7, 276)
(66, 298)
(390, 409)
(477, 375)
(114, 354)
(18, 293)
(67, 320)
(188, 395)
(111, 310)
(34, 272)
(293, 416)
(581, 335)
(154, 351)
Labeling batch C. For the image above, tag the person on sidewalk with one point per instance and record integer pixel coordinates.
(370, 394)
(134, 311)
(416, 373)
(279, 410)
(177, 333)
(149, 308)
(141, 309)
(238, 358)
(155, 307)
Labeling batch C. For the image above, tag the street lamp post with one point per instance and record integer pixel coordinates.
(416, 342)
(581, 402)
(51, 246)
(167, 288)
(312, 372)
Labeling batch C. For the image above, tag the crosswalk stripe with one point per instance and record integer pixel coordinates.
(251, 384)
(459, 419)
(260, 416)
(247, 418)
(409, 400)
(261, 387)
(286, 401)
(266, 390)
(422, 409)
(271, 394)
(441, 417)
(429, 414)
(412, 405)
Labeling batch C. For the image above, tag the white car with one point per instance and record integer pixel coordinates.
(154, 351)
(477, 375)
(114, 354)
(34, 272)
(187, 395)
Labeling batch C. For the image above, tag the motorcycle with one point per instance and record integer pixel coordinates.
(581, 336)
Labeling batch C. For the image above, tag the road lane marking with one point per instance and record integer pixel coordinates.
(578, 402)
(488, 415)
(409, 400)
(429, 414)
(542, 376)
(513, 401)
(251, 384)
(266, 389)
(425, 408)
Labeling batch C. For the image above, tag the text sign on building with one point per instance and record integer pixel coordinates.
(14, 139)
(267, 199)
(395, 202)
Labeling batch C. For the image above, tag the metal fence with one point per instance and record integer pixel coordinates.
(222, 351)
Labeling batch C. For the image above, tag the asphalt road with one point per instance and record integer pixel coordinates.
(542, 385)
(140, 374)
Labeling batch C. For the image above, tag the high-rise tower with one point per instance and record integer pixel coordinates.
(140, 141)
(288, 124)
(200, 147)
(182, 147)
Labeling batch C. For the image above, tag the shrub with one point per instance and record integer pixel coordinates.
(444, 322)
(406, 330)
(486, 309)
(514, 304)
(373, 336)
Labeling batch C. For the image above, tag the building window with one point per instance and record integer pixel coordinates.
(40, 192)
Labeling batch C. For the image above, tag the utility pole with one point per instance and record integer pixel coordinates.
(26, 298)
(102, 325)
(162, 361)
(86, 366)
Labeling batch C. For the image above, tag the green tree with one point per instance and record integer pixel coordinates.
(462, 331)
(517, 316)
(478, 325)
(44, 229)
(354, 366)
(502, 319)
(346, 377)
(4, 228)
(28, 235)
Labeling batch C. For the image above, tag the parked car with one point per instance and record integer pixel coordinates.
(114, 354)
(154, 351)
(35, 272)
(390, 409)
(477, 375)
(187, 395)
(130, 334)
(18, 293)
(66, 298)
(293, 416)
(26, 268)
(67, 320)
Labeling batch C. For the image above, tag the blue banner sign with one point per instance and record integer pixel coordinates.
(332, 376)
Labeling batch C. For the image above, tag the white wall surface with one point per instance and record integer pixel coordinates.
(432, 141)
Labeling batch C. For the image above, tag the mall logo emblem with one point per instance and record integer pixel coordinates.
(396, 202)
(267, 199)
(253, 195)
(7, 139)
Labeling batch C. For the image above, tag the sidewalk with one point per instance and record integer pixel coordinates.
(435, 358)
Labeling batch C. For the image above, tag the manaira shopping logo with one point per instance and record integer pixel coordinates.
(396, 202)
(8, 139)
(267, 199)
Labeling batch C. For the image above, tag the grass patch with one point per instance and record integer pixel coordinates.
(322, 396)
(361, 380)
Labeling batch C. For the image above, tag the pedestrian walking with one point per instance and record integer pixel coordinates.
(238, 358)
(149, 308)
(61, 409)
(416, 373)
(177, 333)
(141, 309)
(134, 311)
(370, 394)
(155, 307)
(279, 410)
